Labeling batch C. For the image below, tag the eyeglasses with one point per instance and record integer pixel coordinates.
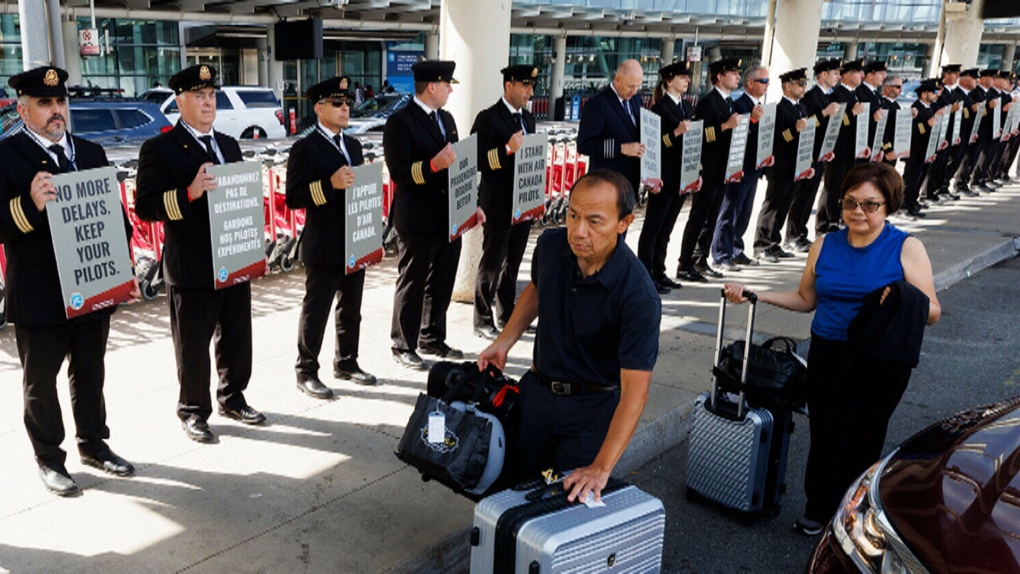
(801, 83)
(851, 204)
(761, 80)
(897, 86)
(339, 102)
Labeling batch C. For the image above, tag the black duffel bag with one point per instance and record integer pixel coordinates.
(775, 373)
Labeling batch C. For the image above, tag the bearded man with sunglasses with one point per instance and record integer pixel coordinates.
(319, 170)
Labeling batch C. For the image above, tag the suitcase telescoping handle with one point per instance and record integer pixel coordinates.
(753, 299)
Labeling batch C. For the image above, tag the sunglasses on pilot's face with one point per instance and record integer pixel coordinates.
(338, 102)
(801, 83)
(761, 81)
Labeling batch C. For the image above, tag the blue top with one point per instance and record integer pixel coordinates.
(590, 328)
(845, 274)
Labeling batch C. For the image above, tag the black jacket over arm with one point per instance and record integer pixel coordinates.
(787, 139)
(848, 133)
(311, 164)
(494, 126)
(670, 116)
(33, 282)
(410, 140)
(864, 93)
(167, 164)
(921, 132)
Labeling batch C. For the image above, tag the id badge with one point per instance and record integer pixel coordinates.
(437, 427)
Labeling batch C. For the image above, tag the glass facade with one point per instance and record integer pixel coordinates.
(10, 50)
(142, 52)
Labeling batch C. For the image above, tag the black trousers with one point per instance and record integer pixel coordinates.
(829, 213)
(800, 208)
(983, 162)
(323, 283)
(1009, 157)
(503, 247)
(968, 165)
(427, 267)
(779, 197)
(936, 178)
(914, 173)
(850, 402)
(701, 222)
(661, 214)
(957, 154)
(199, 315)
(560, 432)
(42, 349)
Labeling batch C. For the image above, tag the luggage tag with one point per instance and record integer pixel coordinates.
(437, 426)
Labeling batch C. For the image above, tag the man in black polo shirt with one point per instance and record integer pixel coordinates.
(597, 340)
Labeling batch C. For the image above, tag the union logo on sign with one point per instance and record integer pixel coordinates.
(222, 275)
(453, 230)
(77, 301)
(351, 262)
(517, 214)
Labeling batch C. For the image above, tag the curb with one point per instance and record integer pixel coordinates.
(1005, 250)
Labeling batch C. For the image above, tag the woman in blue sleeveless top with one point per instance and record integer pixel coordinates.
(850, 403)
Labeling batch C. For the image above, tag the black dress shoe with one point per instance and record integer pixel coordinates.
(108, 461)
(767, 255)
(440, 349)
(916, 213)
(410, 360)
(245, 415)
(663, 279)
(313, 387)
(707, 271)
(350, 371)
(487, 332)
(58, 481)
(778, 252)
(198, 431)
(692, 275)
(662, 289)
(746, 261)
(803, 246)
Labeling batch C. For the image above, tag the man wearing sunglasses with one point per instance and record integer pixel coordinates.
(892, 88)
(319, 171)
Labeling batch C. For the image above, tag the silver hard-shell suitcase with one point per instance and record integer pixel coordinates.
(514, 535)
(737, 455)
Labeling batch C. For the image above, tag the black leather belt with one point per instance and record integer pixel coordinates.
(563, 388)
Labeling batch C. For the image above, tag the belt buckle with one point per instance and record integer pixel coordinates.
(559, 387)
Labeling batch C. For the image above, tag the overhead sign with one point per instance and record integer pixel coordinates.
(237, 223)
(529, 179)
(88, 42)
(694, 53)
(363, 242)
(690, 169)
(463, 187)
(651, 136)
(89, 241)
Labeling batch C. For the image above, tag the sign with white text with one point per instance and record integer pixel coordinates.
(529, 179)
(933, 139)
(876, 144)
(363, 241)
(832, 131)
(997, 122)
(690, 169)
(651, 136)
(463, 188)
(957, 124)
(237, 223)
(738, 146)
(863, 124)
(805, 153)
(89, 241)
(903, 132)
(766, 135)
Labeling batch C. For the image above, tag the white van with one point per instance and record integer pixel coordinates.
(242, 112)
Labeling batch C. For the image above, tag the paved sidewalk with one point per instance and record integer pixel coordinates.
(319, 489)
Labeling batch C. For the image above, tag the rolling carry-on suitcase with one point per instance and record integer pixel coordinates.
(736, 453)
(537, 531)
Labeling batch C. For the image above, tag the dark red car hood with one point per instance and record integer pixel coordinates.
(952, 491)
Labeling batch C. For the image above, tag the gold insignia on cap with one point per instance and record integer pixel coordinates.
(51, 78)
(204, 74)
(343, 83)
(534, 72)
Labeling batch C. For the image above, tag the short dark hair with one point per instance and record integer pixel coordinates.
(419, 87)
(884, 177)
(624, 191)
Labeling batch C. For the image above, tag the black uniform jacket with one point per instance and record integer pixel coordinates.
(814, 101)
(313, 160)
(848, 133)
(865, 94)
(33, 282)
(494, 126)
(410, 140)
(167, 164)
(921, 132)
(715, 110)
(982, 95)
(787, 139)
(670, 116)
(945, 100)
(967, 124)
(604, 127)
(892, 108)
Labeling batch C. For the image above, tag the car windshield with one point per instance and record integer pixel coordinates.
(375, 105)
(258, 98)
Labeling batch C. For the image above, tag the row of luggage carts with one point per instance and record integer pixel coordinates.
(283, 226)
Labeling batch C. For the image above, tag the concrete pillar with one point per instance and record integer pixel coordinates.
(794, 39)
(432, 46)
(263, 54)
(480, 52)
(556, 82)
(963, 37)
(56, 33)
(35, 48)
(72, 55)
(666, 50)
(274, 69)
(929, 61)
(849, 51)
(1009, 55)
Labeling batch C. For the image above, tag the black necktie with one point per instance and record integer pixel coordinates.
(207, 142)
(626, 106)
(439, 122)
(339, 139)
(729, 104)
(519, 118)
(62, 162)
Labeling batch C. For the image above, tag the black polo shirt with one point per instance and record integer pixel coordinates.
(590, 328)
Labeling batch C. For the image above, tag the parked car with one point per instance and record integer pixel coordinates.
(242, 112)
(945, 501)
(372, 114)
(104, 121)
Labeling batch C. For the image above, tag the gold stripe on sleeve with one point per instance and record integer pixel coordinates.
(173, 211)
(18, 214)
(666, 141)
